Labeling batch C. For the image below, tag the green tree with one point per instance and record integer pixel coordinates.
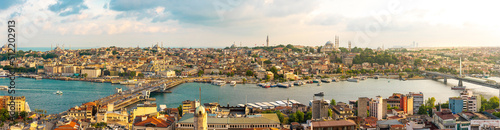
(141, 75)
(180, 110)
(280, 116)
(430, 102)
(300, 116)
(497, 114)
(333, 102)
(293, 118)
(308, 115)
(249, 73)
(330, 112)
(422, 110)
(268, 62)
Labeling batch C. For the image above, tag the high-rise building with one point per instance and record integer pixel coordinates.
(376, 108)
(363, 107)
(319, 107)
(418, 100)
(456, 104)
(407, 104)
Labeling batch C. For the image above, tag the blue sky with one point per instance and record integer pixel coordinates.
(219, 23)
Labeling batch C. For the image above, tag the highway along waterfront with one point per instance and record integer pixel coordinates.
(40, 94)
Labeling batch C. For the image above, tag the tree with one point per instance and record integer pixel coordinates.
(293, 118)
(268, 62)
(430, 102)
(141, 75)
(85, 75)
(330, 112)
(300, 116)
(332, 102)
(115, 52)
(497, 114)
(180, 110)
(249, 73)
(422, 110)
(308, 115)
(280, 116)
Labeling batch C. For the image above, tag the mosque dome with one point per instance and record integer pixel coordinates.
(329, 43)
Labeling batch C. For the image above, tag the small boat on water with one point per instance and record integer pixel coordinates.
(219, 82)
(38, 77)
(58, 92)
(4, 87)
(353, 79)
(274, 85)
(266, 85)
(233, 83)
(115, 81)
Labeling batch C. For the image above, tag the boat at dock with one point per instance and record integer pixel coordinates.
(316, 81)
(283, 85)
(233, 83)
(353, 79)
(325, 81)
(129, 82)
(219, 82)
(4, 87)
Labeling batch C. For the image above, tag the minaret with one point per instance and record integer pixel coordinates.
(200, 117)
(267, 40)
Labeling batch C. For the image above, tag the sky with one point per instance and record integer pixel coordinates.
(220, 23)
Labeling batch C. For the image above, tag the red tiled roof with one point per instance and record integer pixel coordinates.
(333, 123)
(154, 121)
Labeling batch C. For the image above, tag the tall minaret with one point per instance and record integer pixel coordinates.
(267, 40)
(349, 45)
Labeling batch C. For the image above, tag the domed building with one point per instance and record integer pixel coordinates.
(328, 47)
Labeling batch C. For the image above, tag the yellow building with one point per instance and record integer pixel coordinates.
(189, 106)
(145, 109)
(20, 103)
(92, 72)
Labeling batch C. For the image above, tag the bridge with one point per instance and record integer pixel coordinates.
(142, 91)
(460, 79)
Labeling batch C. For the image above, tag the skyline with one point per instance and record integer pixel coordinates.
(89, 23)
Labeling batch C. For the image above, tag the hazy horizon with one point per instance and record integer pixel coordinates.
(220, 23)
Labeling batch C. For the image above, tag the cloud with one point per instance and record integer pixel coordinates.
(8, 3)
(68, 7)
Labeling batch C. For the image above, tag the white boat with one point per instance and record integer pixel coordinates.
(4, 87)
(233, 83)
(219, 82)
(59, 92)
(129, 82)
(353, 79)
(3, 74)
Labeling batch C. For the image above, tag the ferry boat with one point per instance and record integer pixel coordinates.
(4, 87)
(233, 83)
(129, 82)
(38, 77)
(458, 88)
(59, 92)
(353, 79)
(274, 85)
(219, 82)
(266, 85)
